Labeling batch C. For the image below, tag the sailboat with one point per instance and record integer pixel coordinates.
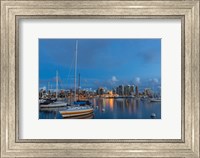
(75, 109)
(81, 101)
(155, 100)
(53, 102)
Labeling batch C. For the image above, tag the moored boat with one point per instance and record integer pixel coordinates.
(76, 111)
(87, 116)
(82, 102)
(144, 98)
(45, 101)
(155, 100)
(53, 105)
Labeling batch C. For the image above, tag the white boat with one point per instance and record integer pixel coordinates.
(87, 116)
(52, 102)
(54, 105)
(41, 101)
(155, 100)
(49, 109)
(76, 110)
(153, 115)
(144, 98)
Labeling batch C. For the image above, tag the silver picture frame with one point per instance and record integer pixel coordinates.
(13, 11)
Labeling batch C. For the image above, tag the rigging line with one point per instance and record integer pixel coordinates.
(75, 70)
(61, 84)
(72, 61)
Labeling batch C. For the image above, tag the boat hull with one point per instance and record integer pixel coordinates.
(54, 105)
(155, 100)
(73, 113)
(86, 116)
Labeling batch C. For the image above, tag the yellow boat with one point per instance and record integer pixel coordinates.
(76, 111)
(85, 116)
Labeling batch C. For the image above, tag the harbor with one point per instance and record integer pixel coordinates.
(122, 102)
(88, 93)
(109, 108)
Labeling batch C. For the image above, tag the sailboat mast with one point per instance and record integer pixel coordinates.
(56, 84)
(75, 69)
(78, 85)
(48, 86)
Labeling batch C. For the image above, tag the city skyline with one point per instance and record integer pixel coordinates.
(101, 62)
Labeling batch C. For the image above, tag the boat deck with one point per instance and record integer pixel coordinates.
(54, 105)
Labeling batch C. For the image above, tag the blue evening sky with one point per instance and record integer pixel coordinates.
(101, 62)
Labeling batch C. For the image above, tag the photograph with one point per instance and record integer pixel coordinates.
(99, 78)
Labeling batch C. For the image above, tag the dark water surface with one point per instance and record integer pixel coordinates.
(113, 109)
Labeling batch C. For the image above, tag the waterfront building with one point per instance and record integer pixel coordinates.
(100, 91)
(121, 90)
(114, 91)
(41, 93)
(110, 93)
(117, 90)
(127, 90)
(132, 89)
(62, 94)
(147, 92)
(136, 91)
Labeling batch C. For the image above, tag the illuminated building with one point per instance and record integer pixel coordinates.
(121, 90)
(114, 91)
(136, 91)
(127, 90)
(100, 91)
(147, 92)
(132, 89)
(117, 90)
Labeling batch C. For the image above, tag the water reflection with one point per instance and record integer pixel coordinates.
(125, 109)
(112, 109)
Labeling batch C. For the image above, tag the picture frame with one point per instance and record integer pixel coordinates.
(13, 11)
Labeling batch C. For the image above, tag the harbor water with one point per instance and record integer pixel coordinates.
(110, 108)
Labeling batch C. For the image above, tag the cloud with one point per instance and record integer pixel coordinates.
(114, 79)
(44, 87)
(155, 80)
(137, 80)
